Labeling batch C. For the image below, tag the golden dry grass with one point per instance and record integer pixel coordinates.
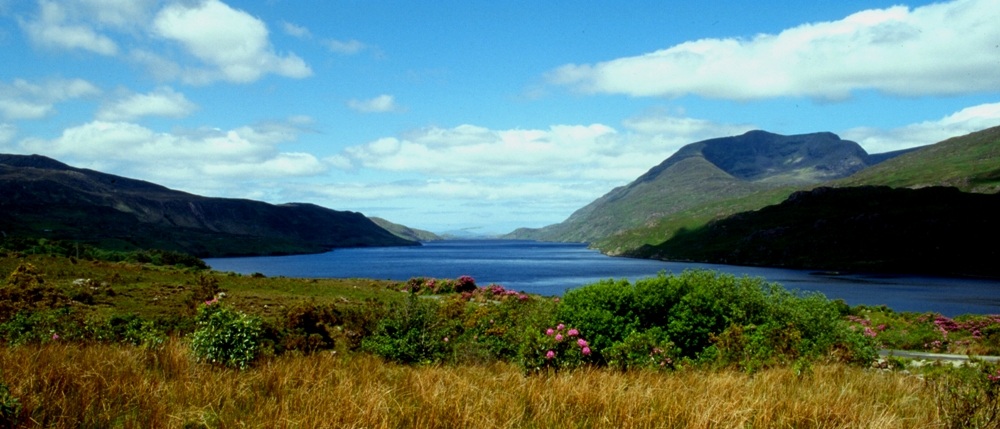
(68, 385)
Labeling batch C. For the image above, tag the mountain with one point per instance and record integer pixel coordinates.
(931, 210)
(42, 197)
(720, 169)
(406, 232)
(931, 230)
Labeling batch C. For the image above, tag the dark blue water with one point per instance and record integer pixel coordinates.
(553, 268)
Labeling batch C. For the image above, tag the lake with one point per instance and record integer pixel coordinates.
(553, 268)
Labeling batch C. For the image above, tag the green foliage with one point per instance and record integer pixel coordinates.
(42, 326)
(10, 408)
(128, 329)
(495, 325)
(84, 251)
(710, 316)
(650, 349)
(412, 333)
(226, 336)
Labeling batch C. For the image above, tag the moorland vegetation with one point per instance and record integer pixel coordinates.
(102, 343)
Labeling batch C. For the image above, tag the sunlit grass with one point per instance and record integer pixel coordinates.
(72, 385)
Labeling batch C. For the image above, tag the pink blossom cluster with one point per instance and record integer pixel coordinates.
(496, 292)
(557, 335)
(975, 326)
(867, 325)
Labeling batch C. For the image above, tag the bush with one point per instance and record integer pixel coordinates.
(129, 329)
(412, 333)
(711, 316)
(226, 336)
(307, 327)
(650, 349)
(42, 326)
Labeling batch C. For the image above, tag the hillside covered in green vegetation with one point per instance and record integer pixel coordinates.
(934, 230)
(930, 211)
(715, 171)
(44, 198)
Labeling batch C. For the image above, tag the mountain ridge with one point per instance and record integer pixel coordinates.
(45, 197)
(713, 169)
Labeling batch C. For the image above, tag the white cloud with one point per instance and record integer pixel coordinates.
(163, 101)
(7, 133)
(594, 152)
(231, 42)
(295, 30)
(26, 100)
(208, 161)
(965, 121)
(381, 104)
(942, 48)
(54, 28)
(346, 47)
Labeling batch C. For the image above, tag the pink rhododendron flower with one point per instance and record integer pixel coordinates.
(585, 351)
(550, 354)
(560, 327)
(559, 337)
(573, 332)
(55, 336)
(582, 342)
(549, 332)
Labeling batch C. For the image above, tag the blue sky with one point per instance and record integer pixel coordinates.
(472, 115)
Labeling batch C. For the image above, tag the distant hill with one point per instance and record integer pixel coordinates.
(932, 230)
(42, 197)
(716, 170)
(406, 232)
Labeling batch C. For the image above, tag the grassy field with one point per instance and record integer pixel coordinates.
(110, 344)
(69, 386)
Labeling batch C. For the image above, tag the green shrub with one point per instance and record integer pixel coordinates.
(226, 336)
(42, 326)
(128, 329)
(412, 333)
(650, 349)
(710, 316)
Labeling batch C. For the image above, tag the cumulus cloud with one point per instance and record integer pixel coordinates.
(381, 104)
(22, 99)
(163, 101)
(209, 161)
(54, 28)
(938, 49)
(965, 121)
(561, 152)
(232, 43)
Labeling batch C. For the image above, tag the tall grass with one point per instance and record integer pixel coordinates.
(97, 385)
